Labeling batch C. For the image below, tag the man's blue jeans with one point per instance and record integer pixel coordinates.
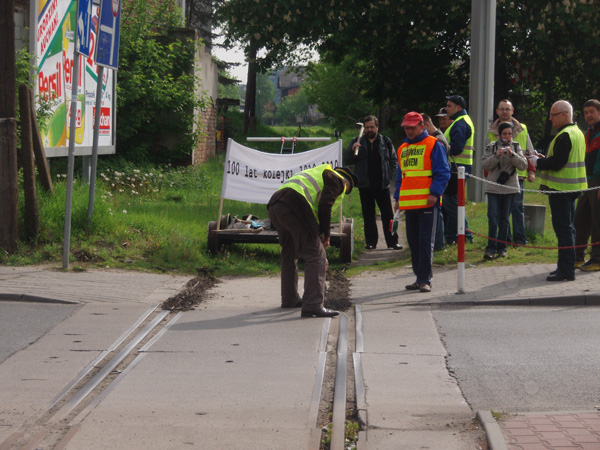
(562, 208)
(499, 207)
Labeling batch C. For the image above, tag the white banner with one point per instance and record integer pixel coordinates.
(253, 176)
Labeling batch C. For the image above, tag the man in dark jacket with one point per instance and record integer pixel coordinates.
(563, 170)
(587, 213)
(461, 137)
(375, 164)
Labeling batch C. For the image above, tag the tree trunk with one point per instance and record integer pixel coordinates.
(38, 149)
(8, 130)
(32, 219)
(250, 103)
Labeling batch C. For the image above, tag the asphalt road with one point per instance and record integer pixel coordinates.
(515, 359)
(22, 323)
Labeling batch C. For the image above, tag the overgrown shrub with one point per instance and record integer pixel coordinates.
(157, 90)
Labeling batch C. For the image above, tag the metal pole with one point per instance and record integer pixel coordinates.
(288, 139)
(461, 230)
(71, 158)
(95, 146)
(481, 92)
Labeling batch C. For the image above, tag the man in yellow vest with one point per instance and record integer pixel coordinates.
(461, 137)
(423, 175)
(563, 170)
(300, 210)
(505, 112)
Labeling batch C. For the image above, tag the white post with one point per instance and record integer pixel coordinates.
(461, 230)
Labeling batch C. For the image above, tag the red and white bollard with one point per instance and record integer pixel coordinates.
(461, 230)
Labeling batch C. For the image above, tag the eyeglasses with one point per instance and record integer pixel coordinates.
(556, 114)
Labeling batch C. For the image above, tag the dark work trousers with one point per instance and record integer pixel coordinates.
(518, 219)
(587, 221)
(368, 198)
(299, 241)
(450, 210)
(420, 234)
(499, 207)
(562, 208)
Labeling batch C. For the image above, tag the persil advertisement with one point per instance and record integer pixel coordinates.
(55, 41)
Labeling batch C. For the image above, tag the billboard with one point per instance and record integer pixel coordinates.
(54, 47)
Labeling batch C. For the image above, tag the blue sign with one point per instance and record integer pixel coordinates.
(84, 25)
(107, 48)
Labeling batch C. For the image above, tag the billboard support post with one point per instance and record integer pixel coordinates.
(71, 159)
(95, 147)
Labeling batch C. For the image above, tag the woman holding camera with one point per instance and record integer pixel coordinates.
(501, 159)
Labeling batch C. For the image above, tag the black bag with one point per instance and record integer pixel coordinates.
(503, 178)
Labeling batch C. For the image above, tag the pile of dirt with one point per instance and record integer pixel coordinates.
(338, 291)
(193, 292)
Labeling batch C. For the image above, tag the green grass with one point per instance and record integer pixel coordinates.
(156, 219)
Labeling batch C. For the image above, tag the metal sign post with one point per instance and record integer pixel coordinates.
(94, 168)
(82, 46)
(107, 54)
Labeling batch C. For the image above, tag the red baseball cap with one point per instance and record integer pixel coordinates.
(412, 119)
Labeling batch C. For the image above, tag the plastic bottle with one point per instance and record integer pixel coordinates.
(394, 222)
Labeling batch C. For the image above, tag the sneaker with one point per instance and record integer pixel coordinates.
(370, 247)
(593, 265)
(503, 254)
(412, 287)
(425, 287)
(579, 263)
(489, 255)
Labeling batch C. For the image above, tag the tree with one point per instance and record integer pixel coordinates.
(265, 95)
(157, 89)
(410, 53)
(404, 51)
(227, 90)
(292, 108)
(8, 130)
(558, 40)
(335, 90)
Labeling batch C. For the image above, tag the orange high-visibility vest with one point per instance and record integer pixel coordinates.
(415, 164)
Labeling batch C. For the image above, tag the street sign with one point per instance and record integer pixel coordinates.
(107, 50)
(84, 24)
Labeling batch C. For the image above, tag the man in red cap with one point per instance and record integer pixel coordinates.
(421, 180)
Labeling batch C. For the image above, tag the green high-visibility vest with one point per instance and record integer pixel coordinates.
(521, 138)
(571, 177)
(466, 157)
(309, 184)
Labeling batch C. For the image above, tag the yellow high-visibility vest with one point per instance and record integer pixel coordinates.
(309, 184)
(571, 177)
(466, 157)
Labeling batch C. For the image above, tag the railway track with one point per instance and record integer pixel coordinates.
(334, 394)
